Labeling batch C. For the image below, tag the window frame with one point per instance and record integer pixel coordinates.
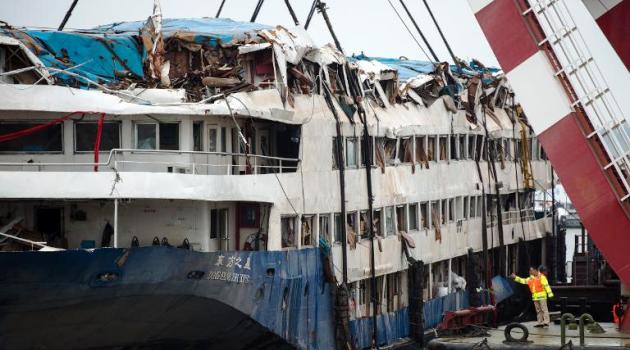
(157, 135)
(74, 132)
(32, 124)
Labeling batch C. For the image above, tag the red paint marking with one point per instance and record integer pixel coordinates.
(615, 26)
(590, 192)
(507, 33)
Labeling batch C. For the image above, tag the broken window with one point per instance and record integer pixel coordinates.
(462, 147)
(218, 223)
(287, 230)
(424, 215)
(413, 217)
(377, 218)
(13, 59)
(390, 227)
(421, 151)
(197, 136)
(351, 226)
(47, 140)
(385, 151)
(363, 224)
(405, 150)
(442, 149)
(401, 218)
(85, 136)
(451, 210)
(308, 222)
(351, 151)
(151, 135)
(393, 291)
(431, 148)
(435, 213)
(324, 227)
(473, 207)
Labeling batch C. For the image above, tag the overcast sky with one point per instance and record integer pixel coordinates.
(370, 26)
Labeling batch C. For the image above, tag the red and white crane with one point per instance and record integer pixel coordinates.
(568, 61)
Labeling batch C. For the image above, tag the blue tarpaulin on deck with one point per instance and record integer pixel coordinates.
(103, 53)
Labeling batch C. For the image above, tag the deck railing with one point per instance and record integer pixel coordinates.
(172, 161)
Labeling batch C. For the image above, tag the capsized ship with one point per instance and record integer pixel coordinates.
(217, 184)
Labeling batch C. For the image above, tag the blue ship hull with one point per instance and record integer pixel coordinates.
(163, 297)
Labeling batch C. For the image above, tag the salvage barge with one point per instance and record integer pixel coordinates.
(217, 184)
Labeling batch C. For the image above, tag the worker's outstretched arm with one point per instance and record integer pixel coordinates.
(521, 280)
(545, 283)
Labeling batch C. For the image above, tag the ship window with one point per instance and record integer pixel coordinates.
(431, 148)
(85, 136)
(351, 221)
(351, 151)
(401, 218)
(335, 153)
(385, 151)
(442, 148)
(435, 213)
(472, 141)
(454, 147)
(413, 217)
(405, 151)
(393, 291)
(444, 212)
(338, 228)
(363, 292)
(150, 135)
(223, 140)
(324, 227)
(479, 148)
(47, 140)
(479, 205)
(466, 207)
(307, 230)
(390, 228)
(462, 147)
(543, 155)
(212, 139)
(287, 230)
(451, 209)
(197, 137)
(378, 227)
(218, 223)
(363, 224)
(424, 215)
(507, 149)
(421, 150)
(473, 207)
(169, 136)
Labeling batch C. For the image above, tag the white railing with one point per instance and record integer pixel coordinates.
(589, 84)
(185, 162)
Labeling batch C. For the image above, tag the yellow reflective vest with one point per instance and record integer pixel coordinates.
(538, 285)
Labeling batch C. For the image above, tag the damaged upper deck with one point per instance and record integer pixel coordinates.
(188, 66)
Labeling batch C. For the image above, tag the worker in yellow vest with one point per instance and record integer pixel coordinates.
(539, 286)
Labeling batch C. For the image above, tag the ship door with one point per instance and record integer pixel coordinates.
(49, 223)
